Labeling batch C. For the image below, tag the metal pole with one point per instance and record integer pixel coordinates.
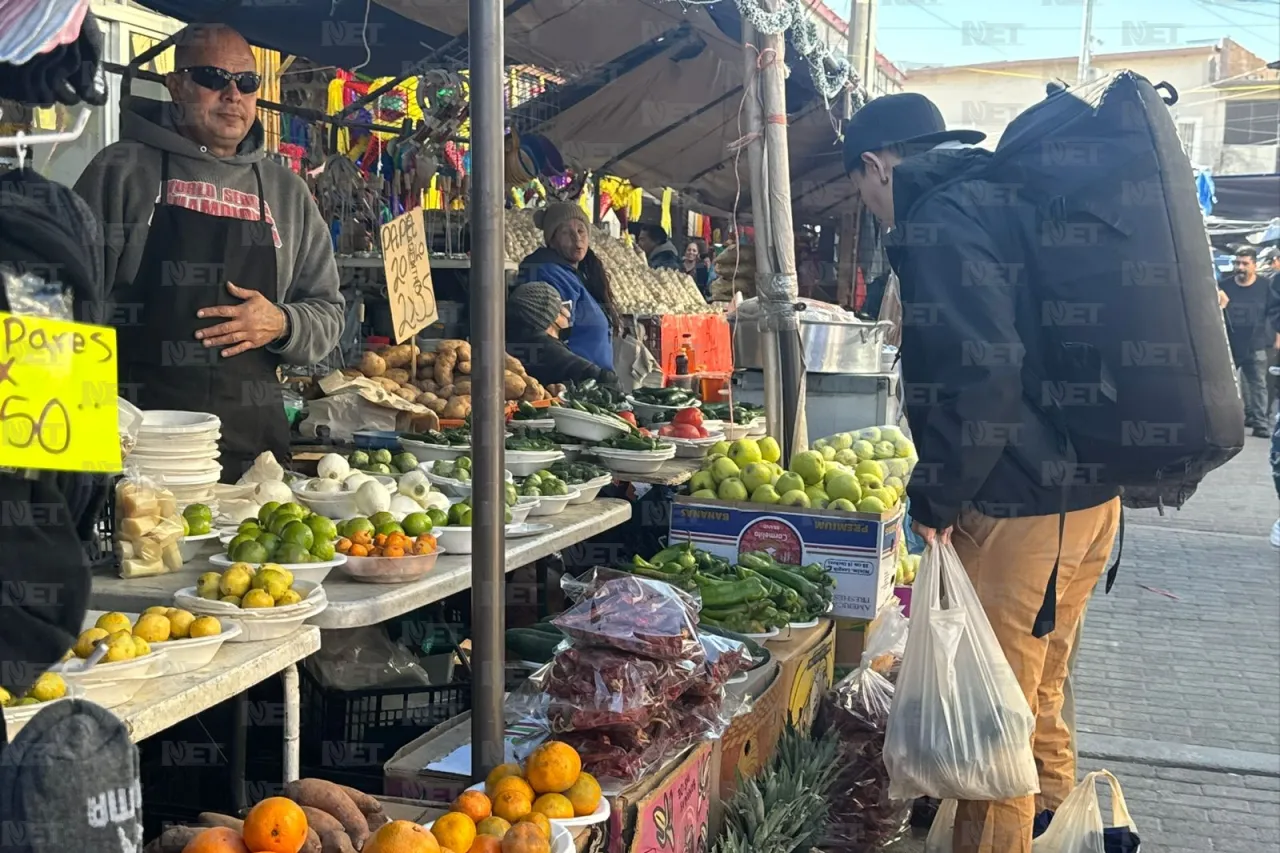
(777, 162)
(488, 350)
(754, 128)
(1086, 43)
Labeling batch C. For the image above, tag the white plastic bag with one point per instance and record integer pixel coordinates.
(1077, 825)
(960, 726)
(942, 830)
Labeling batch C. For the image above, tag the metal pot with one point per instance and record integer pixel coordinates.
(829, 345)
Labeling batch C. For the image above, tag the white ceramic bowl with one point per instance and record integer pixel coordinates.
(649, 411)
(335, 505)
(191, 654)
(170, 422)
(424, 452)
(522, 463)
(590, 490)
(694, 448)
(758, 428)
(535, 424)
(257, 625)
(520, 512)
(192, 546)
(21, 713)
(457, 540)
(455, 488)
(573, 452)
(391, 569)
(587, 426)
(169, 448)
(634, 461)
(310, 572)
(554, 505)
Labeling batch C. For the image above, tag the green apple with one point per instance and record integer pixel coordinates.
(703, 494)
(842, 505)
(902, 448)
(899, 468)
(870, 466)
(819, 444)
(891, 433)
(723, 469)
(896, 484)
(795, 497)
(720, 448)
(842, 441)
(844, 487)
(769, 450)
(871, 434)
(710, 460)
(863, 449)
(884, 449)
(757, 474)
(745, 452)
(702, 480)
(871, 504)
(887, 496)
(810, 465)
(789, 482)
(847, 457)
(817, 497)
(732, 489)
(828, 453)
(869, 482)
(766, 494)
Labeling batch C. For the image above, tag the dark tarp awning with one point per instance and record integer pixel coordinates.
(1247, 198)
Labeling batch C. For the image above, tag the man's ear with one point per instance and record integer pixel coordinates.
(173, 82)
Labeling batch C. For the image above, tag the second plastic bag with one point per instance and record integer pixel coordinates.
(960, 727)
(1077, 825)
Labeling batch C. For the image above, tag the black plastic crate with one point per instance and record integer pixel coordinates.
(100, 546)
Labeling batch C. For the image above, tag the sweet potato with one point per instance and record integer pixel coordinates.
(513, 385)
(464, 367)
(366, 803)
(312, 844)
(215, 819)
(372, 364)
(328, 797)
(377, 820)
(176, 838)
(513, 364)
(397, 374)
(462, 388)
(336, 842)
(322, 822)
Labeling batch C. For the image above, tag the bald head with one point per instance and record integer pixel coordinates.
(213, 67)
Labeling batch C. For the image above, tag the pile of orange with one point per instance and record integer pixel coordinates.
(364, 544)
(514, 812)
(275, 825)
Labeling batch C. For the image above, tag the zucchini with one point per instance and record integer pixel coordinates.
(533, 646)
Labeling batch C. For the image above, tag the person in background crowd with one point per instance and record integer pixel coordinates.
(697, 263)
(216, 258)
(657, 247)
(989, 501)
(569, 265)
(1245, 313)
(536, 317)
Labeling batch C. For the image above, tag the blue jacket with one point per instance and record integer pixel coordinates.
(589, 336)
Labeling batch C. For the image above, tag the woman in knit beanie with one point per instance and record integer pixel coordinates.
(536, 317)
(567, 263)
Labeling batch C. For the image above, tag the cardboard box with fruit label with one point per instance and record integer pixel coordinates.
(858, 549)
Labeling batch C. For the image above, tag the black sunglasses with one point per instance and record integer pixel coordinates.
(216, 79)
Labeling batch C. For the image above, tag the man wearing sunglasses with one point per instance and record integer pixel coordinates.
(218, 264)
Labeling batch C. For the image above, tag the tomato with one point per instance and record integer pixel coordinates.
(692, 417)
(667, 430)
(685, 431)
(703, 432)
(629, 417)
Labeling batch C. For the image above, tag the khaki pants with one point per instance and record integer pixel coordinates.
(1009, 561)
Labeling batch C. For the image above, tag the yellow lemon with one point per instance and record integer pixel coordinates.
(113, 622)
(48, 687)
(179, 623)
(205, 626)
(257, 598)
(88, 640)
(153, 627)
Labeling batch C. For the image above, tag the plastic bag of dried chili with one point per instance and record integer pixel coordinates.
(596, 686)
(725, 658)
(633, 614)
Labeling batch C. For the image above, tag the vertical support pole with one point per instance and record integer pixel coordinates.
(488, 349)
(1086, 43)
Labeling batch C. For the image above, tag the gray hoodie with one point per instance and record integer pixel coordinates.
(122, 183)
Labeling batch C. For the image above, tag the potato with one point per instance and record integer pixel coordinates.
(407, 392)
(423, 423)
(351, 372)
(437, 405)
(399, 355)
(424, 398)
(462, 388)
(444, 365)
(428, 385)
(386, 384)
(372, 364)
(445, 392)
(328, 797)
(464, 367)
(397, 374)
(426, 359)
(513, 385)
(513, 364)
(464, 351)
(457, 408)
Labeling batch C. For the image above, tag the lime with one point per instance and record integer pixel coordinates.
(358, 525)
(270, 541)
(198, 512)
(390, 527)
(416, 524)
(323, 528)
(197, 526)
(237, 542)
(249, 525)
(186, 526)
(460, 514)
(513, 496)
(279, 522)
(506, 514)
(250, 552)
(295, 509)
(267, 510)
(290, 552)
(380, 518)
(439, 518)
(322, 550)
(298, 533)
(463, 463)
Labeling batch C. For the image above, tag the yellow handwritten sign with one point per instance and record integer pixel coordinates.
(58, 395)
(409, 289)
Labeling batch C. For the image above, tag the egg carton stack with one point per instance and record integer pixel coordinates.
(179, 451)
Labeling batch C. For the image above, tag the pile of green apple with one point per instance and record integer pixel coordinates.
(908, 565)
(866, 471)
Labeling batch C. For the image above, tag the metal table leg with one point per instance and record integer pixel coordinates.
(239, 747)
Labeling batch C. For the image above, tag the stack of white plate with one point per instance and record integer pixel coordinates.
(179, 451)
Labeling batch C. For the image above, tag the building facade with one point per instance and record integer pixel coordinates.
(1228, 110)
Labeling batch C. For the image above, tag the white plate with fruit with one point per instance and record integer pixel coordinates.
(276, 605)
(582, 799)
(314, 572)
(287, 534)
(49, 689)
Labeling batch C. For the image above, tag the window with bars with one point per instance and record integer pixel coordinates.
(1252, 122)
(1187, 132)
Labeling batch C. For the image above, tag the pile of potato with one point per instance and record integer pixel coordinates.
(443, 383)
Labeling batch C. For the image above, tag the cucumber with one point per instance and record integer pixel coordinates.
(533, 646)
(758, 653)
(544, 628)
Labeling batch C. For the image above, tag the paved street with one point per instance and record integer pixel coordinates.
(1178, 679)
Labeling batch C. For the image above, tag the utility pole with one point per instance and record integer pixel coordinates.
(1083, 71)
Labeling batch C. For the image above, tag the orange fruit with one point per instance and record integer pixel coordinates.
(220, 840)
(493, 827)
(402, 836)
(455, 831)
(474, 805)
(584, 795)
(554, 806)
(511, 805)
(553, 768)
(486, 844)
(502, 771)
(513, 783)
(541, 821)
(275, 825)
(525, 838)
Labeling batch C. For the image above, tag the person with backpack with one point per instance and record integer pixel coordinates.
(1012, 323)
(1251, 342)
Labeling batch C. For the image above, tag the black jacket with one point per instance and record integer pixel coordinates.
(665, 257)
(548, 360)
(971, 367)
(1273, 305)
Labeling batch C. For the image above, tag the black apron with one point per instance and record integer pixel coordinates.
(186, 263)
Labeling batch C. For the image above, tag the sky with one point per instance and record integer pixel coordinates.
(957, 32)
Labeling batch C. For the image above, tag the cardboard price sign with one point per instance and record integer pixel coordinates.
(409, 290)
(58, 395)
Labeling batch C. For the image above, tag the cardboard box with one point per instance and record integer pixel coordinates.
(851, 638)
(436, 767)
(807, 659)
(858, 549)
(904, 595)
(753, 737)
(675, 809)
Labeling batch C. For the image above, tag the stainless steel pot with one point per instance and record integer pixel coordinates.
(829, 344)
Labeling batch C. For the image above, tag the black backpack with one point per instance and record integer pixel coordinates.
(1139, 373)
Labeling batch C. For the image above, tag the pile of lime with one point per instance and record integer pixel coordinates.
(197, 520)
(384, 523)
(284, 533)
(382, 461)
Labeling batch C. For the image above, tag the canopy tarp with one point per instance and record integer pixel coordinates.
(1246, 198)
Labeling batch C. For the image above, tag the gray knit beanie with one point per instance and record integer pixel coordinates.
(554, 215)
(535, 303)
